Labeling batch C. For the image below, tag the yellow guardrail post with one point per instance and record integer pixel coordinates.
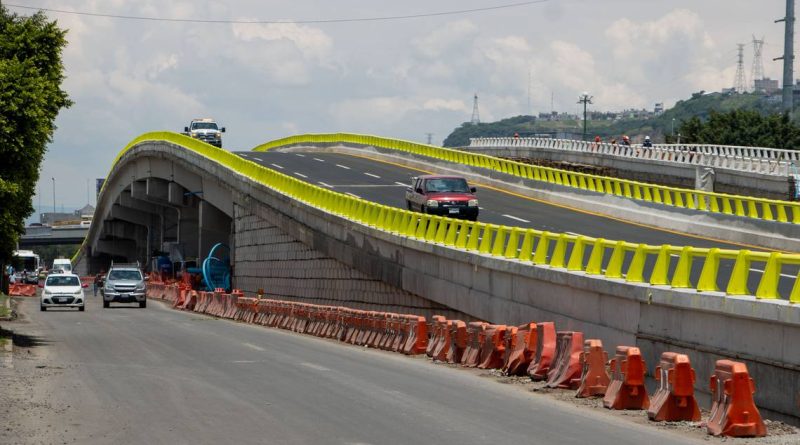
(660, 274)
(708, 276)
(540, 255)
(794, 297)
(452, 232)
(766, 211)
(768, 286)
(526, 250)
(781, 213)
(614, 268)
(576, 256)
(463, 233)
(441, 231)
(430, 230)
(595, 264)
(559, 252)
(737, 285)
(486, 238)
(474, 235)
(422, 226)
(499, 241)
(636, 269)
(681, 276)
(513, 242)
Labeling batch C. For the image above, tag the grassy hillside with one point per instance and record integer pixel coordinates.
(658, 128)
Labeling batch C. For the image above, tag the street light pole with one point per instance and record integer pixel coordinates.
(54, 196)
(584, 99)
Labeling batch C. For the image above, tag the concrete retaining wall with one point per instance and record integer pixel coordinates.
(667, 173)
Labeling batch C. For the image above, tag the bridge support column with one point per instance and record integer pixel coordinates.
(214, 227)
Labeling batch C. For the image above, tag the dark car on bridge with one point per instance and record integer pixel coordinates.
(442, 195)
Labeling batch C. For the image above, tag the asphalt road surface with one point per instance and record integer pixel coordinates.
(386, 183)
(156, 375)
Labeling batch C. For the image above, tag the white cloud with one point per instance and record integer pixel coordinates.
(312, 42)
(452, 34)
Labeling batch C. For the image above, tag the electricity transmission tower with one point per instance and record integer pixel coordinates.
(476, 117)
(740, 84)
(757, 72)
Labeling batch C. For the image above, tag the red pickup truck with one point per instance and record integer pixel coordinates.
(443, 195)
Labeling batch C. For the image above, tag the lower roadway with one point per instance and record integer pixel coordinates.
(161, 376)
(385, 183)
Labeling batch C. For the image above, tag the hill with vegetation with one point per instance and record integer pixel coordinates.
(660, 128)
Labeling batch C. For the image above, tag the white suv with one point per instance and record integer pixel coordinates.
(63, 290)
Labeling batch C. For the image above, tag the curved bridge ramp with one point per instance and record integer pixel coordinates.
(168, 188)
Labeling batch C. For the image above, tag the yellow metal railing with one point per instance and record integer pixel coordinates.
(745, 206)
(619, 260)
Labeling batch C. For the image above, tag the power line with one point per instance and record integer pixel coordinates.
(268, 22)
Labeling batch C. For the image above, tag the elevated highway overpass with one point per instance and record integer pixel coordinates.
(49, 236)
(301, 240)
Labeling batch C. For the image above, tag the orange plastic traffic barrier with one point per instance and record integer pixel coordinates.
(493, 347)
(566, 370)
(594, 377)
(438, 322)
(520, 349)
(417, 342)
(733, 412)
(458, 341)
(442, 346)
(627, 390)
(674, 400)
(476, 332)
(545, 350)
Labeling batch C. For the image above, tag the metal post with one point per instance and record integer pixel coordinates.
(584, 99)
(788, 56)
(54, 196)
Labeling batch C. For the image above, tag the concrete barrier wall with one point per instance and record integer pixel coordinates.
(705, 326)
(658, 172)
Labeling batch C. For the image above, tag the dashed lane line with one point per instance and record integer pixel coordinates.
(517, 219)
(277, 166)
(318, 159)
(324, 184)
(300, 175)
(343, 166)
(372, 175)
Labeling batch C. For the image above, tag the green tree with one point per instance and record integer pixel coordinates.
(31, 73)
(742, 127)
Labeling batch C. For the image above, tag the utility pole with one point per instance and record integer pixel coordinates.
(788, 56)
(584, 99)
(430, 138)
(530, 112)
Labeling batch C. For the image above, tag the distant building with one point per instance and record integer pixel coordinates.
(658, 110)
(767, 86)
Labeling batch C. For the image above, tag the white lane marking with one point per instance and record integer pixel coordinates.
(301, 175)
(324, 185)
(252, 346)
(343, 166)
(246, 362)
(353, 195)
(318, 159)
(517, 219)
(370, 174)
(278, 166)
(400, 183)
(301, 155)
(573, 233)
(243, 155)
(314, 366)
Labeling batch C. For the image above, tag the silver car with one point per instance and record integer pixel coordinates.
(124, 283)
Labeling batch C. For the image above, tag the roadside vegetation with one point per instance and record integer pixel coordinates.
(31, 74)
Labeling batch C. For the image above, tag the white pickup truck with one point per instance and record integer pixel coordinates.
(205, 130)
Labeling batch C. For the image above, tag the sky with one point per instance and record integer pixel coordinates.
(394, 78)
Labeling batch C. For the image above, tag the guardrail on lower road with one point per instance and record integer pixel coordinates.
(768, 161)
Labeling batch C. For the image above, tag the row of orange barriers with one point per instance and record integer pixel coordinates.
(564, 359)
(21, 290)
(561, 359)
